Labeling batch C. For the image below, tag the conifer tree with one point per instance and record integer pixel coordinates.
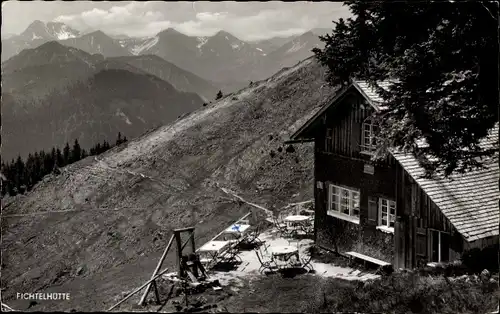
(19, 175)
(119, 139)
(441, 61)
(76, 153)
(59, 158)
(219, 95)
(66, 154)
(98, 149)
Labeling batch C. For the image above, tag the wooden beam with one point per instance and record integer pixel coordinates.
(187, 240)
(184, 229)
(179, 253)
(160, 262)
(157, 294)
(138, 289)
(229, 227)
(193, 247)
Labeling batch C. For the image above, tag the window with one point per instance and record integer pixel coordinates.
(368, 138)
(344, 201)
(387, 213)
(329, 140)
(440, 246)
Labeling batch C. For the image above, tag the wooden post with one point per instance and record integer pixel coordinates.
(156, 293)
(191, 237)
(160, 262)
(179, 253)
(193, 249)
(138, 289)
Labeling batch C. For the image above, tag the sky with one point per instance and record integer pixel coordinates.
(246, 20)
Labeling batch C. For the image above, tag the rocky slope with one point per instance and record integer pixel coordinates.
(97, 229)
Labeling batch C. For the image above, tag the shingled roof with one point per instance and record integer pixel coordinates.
(370, 93)
(470, 200)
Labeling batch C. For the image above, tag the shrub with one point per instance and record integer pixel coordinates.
(290, 149)
(280, 149)
(272, 154)
(478, 259)
(219, 95)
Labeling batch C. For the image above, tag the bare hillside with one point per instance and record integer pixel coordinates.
(98, 229)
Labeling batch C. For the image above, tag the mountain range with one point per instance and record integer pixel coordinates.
(63, 93)
(221, 58)
(49, 65)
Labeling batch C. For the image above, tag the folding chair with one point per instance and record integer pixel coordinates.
(306, 262)
(252, 237)
(269, 264)
(232, 254)
(283, 229)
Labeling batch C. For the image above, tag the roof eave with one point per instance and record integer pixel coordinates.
(300, 134)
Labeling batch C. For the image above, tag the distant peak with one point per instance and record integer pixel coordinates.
(52, 44)
(224, 33)
(97, 33)
(36, 23)
(36, 26)
(170, 31)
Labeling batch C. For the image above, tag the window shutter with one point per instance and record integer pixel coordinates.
(372, 210)
(329, 197)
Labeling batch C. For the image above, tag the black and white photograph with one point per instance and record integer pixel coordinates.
(262, 157)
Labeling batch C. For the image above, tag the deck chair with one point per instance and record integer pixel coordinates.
(283, 229)
(253, 237)
(306, 262)
(265, 264)
(232, 254)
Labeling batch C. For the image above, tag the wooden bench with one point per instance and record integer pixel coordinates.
(366, 258)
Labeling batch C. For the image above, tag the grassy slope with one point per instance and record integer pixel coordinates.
(398, 293)
(115, 249)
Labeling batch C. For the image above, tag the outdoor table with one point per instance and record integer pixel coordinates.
(237, 230)
(213, 249)
(301, 221)
(284, 253)
(297, 219)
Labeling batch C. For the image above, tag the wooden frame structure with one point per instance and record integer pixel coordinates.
(188, 265)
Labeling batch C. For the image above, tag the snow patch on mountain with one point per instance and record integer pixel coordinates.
(120, 113)
(235, 46)
(146, 45)
(297, 45)
(201, 42)
(64, 33)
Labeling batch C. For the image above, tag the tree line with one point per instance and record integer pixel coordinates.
(21, 175)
